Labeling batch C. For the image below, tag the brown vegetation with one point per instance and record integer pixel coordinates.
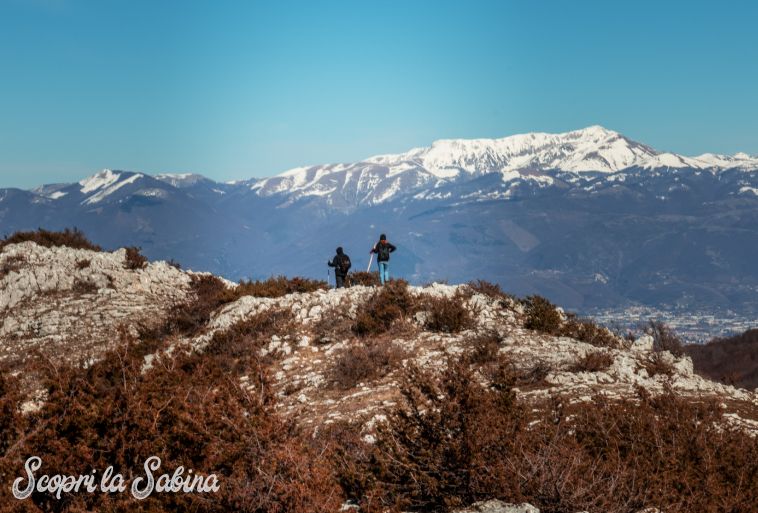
(334, 325)
(656, 363)
(364, 278)
(732, 360)
(173, 263)
(210, 293)
(455, 441)
(391, 303)
(11, 264)
(83, 264)
(594, 361)
(491, 290)
(362, 362)
(484, 348)
(665, 339)
(588, 331)
(189, 411)
(134, 260)
(543, 316)
(72, 238)
(279, 286)
(83, 286)
(446, 314)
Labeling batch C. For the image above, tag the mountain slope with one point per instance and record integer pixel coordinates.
(588, 218)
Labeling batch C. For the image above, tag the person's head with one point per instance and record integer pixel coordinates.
(339, 250)
(382, 237)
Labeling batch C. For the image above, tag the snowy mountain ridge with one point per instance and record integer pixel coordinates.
(529, 157)
(533, 157)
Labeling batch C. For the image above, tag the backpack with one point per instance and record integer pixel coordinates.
(383, 251)
(344, 264)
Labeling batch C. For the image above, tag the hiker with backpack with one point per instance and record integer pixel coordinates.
(341, 264)
(383, 249)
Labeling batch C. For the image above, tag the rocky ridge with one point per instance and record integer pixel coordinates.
(51, 301)
(72, 303)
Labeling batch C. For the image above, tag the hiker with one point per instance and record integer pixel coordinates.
(383, 250)
(341, 264)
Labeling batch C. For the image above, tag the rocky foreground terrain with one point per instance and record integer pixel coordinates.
(326, 361)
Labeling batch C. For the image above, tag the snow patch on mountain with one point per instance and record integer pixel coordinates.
(111, 186)
(180, 179)
(102, 179)
(591, 149)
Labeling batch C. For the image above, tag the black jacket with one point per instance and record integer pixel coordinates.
(336, 264)
(390, 249)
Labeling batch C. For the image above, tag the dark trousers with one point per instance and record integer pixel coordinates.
(340, 279)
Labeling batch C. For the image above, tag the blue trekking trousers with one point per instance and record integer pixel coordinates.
(384, 272)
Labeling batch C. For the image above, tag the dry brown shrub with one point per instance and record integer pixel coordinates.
(732, 360)
(349, 451)
(454, 441)
(362, 362)
(364, 278)
(240, 343)
(541, 315)
(11, 420)
(134, 260)
(278, 286)
(84, 286)
(207, 293)
(484, 348)
(588, 331)
(333, 326)
(72, 238)
(665, 339)
(11, 264)
(593, 361)
(447, 446)
(189, 410)
(83, 264)
(446, 314)
(389, 304)
(533, 374)
(173, 263)
(656, 363)
(489, 289)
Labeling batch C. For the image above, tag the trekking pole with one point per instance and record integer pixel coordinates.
(328, 277)
(371, 259)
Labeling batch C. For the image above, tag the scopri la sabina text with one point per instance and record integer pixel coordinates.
(109, 482)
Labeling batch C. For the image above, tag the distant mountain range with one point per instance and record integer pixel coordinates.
(588, 218)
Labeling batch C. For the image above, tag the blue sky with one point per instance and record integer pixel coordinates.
(241, 89)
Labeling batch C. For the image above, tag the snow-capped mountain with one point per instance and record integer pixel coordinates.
(532, 157)
(588, 218)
